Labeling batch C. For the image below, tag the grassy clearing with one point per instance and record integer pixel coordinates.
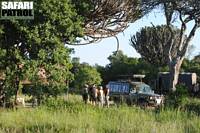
(74, 117)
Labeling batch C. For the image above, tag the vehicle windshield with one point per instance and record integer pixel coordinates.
(145, 89)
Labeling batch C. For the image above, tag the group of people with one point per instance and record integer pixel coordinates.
(96, 95)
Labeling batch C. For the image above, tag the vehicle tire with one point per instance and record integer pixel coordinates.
(142, 103)
(129, 101)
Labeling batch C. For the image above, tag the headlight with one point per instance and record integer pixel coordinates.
(150, 98)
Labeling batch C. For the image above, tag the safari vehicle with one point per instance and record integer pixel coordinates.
(133, 92)
(142, 94)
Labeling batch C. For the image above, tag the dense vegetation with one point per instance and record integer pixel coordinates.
(34, 58)
(84, 74)
(34, 51)
(121, 65)
(75, 117)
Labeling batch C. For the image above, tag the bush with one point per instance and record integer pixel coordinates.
(192, 105)
(70, 115)
(178, 98)
(61, 104)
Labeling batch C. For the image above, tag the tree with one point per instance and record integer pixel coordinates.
(185, 11)
(192, 66)
(86, 75)
(106, 18)
(50, 73)
(39, 44)
(153, 44)
(197, 59)
(121, 66)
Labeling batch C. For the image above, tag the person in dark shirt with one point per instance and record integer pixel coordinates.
(85, 94)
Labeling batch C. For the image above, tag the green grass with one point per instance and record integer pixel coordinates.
(74, 117)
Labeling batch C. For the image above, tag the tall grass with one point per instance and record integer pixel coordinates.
(73, 116)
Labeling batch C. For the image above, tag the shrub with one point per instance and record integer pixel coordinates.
(178, 98)
(62, 104)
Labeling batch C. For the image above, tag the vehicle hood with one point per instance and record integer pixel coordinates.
(151, 94)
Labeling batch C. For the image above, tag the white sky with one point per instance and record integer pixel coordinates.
(97, 53)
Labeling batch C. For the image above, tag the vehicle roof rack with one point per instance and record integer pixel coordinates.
(138, 76)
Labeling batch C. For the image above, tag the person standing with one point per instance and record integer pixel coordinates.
(85, 94)
(94, 94)
(101, 96)
(106, 94)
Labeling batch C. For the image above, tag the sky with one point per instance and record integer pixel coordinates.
(97, 53)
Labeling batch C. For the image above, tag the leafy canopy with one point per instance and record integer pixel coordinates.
(154, 43)
(86, 74)
(39, 44)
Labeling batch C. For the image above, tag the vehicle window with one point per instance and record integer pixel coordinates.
(145, 89)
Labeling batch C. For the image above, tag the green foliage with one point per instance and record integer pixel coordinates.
(192, 66)
(83, 7)
(77, 117)
(121, 64)
(72, 106)
(154, 43)
(86, 74)
(176, 99)
(61, 22)
(192, 105)
(56, 66)
(37, 44)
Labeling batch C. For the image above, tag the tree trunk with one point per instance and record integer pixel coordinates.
(17, 90)
(174, 68)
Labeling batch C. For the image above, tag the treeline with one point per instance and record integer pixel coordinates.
(121, 65)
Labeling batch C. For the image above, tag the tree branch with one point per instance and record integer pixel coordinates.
(189, 38)
(109, 17)
(182, 33)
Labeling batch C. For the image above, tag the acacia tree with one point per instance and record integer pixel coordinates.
(106, 18)
(185, 11)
